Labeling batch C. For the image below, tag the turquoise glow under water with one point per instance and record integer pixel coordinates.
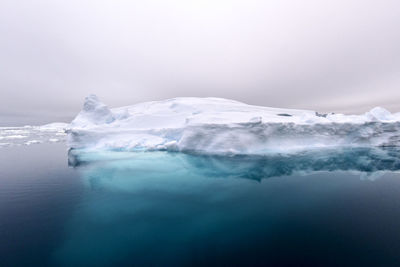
(338, 207)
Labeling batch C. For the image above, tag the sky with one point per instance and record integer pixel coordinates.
(330, 56)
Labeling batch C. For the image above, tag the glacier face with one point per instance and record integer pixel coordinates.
(221, 126)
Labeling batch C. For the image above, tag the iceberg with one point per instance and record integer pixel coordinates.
(369, 163)
(223, 126)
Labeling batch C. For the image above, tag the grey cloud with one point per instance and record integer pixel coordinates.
(338, 56)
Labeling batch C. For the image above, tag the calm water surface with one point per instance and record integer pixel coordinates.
(168, 209)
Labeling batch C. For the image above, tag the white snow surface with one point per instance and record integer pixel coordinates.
(222, 126)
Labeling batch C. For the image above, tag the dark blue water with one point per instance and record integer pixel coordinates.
(326, 208)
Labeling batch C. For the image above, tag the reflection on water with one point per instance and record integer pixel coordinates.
(174, 209)
(367, 161)
(166, 209)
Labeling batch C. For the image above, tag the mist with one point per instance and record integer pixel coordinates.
(330, 56)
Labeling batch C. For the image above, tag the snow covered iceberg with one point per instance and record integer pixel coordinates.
(222, 126)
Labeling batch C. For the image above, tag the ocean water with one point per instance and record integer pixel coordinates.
(73, 208)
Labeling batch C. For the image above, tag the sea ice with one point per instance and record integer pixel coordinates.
(28, 135)
(222, 126)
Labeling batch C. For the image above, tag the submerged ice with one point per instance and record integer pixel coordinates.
(221, 126)
(369, 163)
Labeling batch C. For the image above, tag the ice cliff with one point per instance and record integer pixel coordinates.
(222, 126)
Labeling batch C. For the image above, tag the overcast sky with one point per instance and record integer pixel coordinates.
(341, 56)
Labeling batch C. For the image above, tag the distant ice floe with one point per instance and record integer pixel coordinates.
(222, 126)
(29, 135)
(8, 137)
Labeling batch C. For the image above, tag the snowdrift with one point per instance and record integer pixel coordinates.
(222, 126)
